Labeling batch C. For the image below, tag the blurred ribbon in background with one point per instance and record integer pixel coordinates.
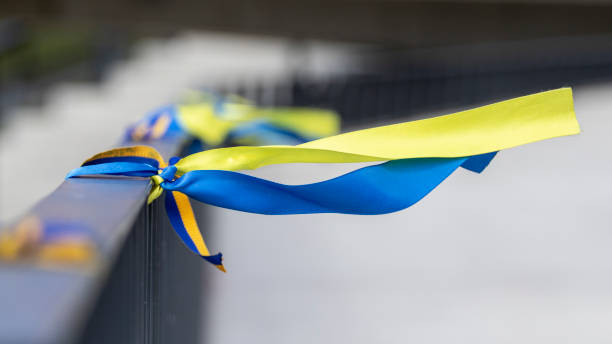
(215, 119)
(51, 242)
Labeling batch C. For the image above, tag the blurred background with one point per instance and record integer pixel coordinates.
(517, 254)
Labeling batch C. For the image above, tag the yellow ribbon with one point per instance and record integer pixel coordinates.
(201, 121)
(481, 130)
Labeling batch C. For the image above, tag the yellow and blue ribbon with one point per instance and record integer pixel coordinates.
(49, 241)
(415, 158)
(215, 119)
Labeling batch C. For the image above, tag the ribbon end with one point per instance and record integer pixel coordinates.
(215, 260)
(477, 163)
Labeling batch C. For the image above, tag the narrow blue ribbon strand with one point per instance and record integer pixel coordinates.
(138, 169)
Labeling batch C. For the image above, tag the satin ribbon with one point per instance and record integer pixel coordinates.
(215, 119)
(416, 157)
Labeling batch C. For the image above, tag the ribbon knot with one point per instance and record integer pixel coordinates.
(144, 161)
(168, 173)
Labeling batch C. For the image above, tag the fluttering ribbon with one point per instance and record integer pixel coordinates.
(215, 119)
(415, 157)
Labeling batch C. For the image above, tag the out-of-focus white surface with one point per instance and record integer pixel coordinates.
(39, 145)
(518, 254)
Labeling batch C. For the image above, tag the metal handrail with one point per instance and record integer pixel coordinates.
(59, 304)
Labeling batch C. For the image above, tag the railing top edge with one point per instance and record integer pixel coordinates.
(47, 303)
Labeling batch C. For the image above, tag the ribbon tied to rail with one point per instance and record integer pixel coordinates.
(414, 157)
(215, 119)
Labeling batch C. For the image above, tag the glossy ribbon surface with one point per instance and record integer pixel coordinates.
(415, 157)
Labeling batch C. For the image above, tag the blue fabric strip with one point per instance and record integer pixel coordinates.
(378, 189)
(214, 259)
(115, 168)
(478, 163)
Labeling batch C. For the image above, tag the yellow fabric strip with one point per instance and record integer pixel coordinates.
(250, 158)
(138, 151)
(481, 130)
(191, 226)
(201, 121)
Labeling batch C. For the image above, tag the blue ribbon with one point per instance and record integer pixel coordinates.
(377, 189)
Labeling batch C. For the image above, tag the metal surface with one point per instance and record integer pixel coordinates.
(51, 304)
(154, 290)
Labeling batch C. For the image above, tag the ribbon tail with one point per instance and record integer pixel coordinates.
(478, 163)
(183, 221)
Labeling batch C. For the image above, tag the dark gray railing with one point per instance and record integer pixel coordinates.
(144, 288)
(153, 294)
